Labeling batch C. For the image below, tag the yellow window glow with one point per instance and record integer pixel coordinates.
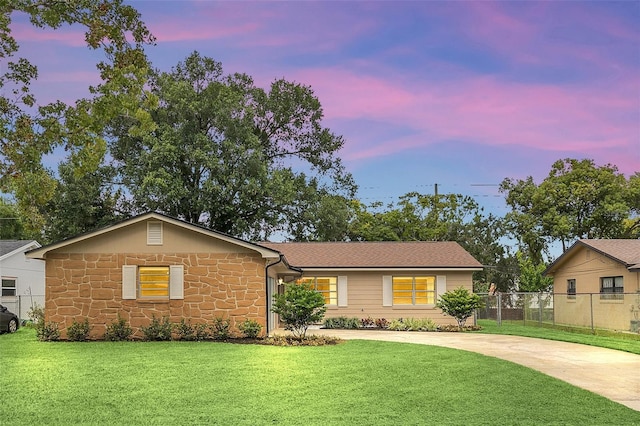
(154, 281)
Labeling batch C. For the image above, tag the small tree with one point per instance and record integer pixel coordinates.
(299, 307)
(460, 304)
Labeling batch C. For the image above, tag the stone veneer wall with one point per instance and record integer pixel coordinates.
(89, 285)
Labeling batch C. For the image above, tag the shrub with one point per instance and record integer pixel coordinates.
(250, 328)
(382, 323)
(299, 307)
(47, 331)
(280, 340)
(460, 304)
(157, 330)
(36, 314)
(367, 322)
(221, 328)
(118, 331)
(342, 323)
(197, 332)
(420, 324)
(397, 325)
(79, 331)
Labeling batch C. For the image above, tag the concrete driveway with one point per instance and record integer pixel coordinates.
(607, 372)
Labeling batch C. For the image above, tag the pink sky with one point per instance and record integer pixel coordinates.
(451, 92)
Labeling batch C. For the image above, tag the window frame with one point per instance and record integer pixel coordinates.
(164, 282)
(330, 295)
(4, 288)
(430, 293)
(614, 291)
(571, 288)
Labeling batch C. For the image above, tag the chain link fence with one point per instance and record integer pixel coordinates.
(607, 311)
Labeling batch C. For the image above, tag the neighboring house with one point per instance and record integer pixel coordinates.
(22, 284)
(597, 283)
(382, 279)
(154, 265)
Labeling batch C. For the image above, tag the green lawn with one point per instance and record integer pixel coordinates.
(356, 382)
(627, 342)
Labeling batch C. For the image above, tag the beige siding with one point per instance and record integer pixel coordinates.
(587, 267)
(365, 296)
(133, 239)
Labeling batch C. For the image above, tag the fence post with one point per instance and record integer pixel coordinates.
(499, 310)
(591, 305)
(540, 308)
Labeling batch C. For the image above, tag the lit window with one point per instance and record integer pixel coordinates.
(327, 286)
(414, 290)
(154, 281)
(8, 287)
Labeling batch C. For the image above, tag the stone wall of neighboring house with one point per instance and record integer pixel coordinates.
(79, 285)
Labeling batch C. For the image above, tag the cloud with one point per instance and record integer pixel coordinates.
(482, 109)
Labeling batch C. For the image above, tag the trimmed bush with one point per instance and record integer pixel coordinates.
(186, 331)
(158, 330)
(342, 323)
(460, 304)
(250, 328)
(299, 307)
(221, 328)
(79, 331)
(118, 331)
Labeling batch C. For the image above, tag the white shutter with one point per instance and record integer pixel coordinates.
(342, 291)
(176, 282)
(129, 287)
(387, 290)
(441, 285)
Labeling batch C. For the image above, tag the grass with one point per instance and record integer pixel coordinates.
(354, 383)
(627, 342)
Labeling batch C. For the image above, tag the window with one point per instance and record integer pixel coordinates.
(327, 286)
(153, 282)
(414, 290)
(571, 289)
(611, 288)
(8, 287)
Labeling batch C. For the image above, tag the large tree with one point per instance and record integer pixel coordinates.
(444, 217)
(576, 200)
(29, 130)
(232, 156)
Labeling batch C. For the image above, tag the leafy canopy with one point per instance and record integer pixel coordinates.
(227, 154)
(29, 130)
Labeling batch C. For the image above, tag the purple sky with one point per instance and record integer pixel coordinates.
(424, 92)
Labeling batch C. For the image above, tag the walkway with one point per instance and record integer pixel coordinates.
(607, 372)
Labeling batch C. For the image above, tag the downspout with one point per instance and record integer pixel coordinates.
(266, 290)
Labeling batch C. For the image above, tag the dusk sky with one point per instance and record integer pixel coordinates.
(462, 94)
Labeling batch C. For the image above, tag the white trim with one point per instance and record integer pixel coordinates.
(403, 269)
(129, 282)
(441, 285)
(31, 245)
(387, 290)
(342, 291)
(176, 282)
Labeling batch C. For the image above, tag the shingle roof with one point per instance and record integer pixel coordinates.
(387, 254)
(8, 246)
(624, 251)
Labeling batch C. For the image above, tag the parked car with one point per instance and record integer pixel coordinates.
(8, 320)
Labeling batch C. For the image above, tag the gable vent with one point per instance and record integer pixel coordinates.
(154, 233)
